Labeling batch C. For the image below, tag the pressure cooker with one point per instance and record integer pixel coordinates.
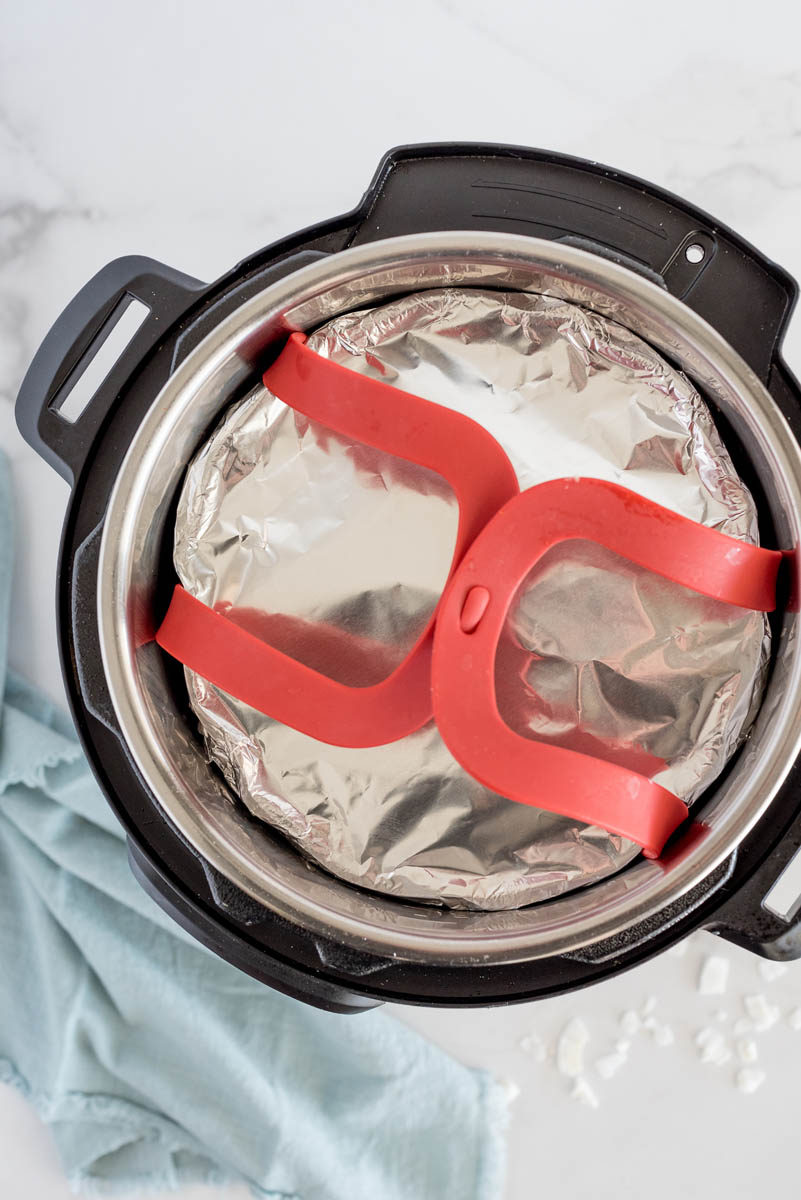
(455, 215)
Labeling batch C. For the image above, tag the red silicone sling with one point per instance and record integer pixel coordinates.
(471, 618)
(501, 536)
(386, 418)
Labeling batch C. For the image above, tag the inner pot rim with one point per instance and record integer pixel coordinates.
(170, 759)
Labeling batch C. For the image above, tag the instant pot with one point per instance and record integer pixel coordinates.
(434, 215)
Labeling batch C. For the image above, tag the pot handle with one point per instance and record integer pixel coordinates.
(747, 920)
(75, 339)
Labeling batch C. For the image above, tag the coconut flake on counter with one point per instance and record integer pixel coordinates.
(533, 1044)
(747, 1050)
(662, 1034)
(630, 1023)
(608, 1065)
(714, 975)
(570, 1048)
(721, 1037)
(763, 1014)
(771, 971)
(748, 1079)
(584, 1093)
(712, 1047)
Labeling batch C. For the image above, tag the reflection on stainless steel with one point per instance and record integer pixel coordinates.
(279, 515)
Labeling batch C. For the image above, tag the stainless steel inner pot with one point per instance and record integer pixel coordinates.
(168, 751)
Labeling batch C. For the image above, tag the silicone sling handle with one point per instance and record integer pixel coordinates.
(369, 411)
(473, 612)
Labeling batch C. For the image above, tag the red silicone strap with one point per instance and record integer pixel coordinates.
(473, 612)
(388, 419)
(236, 653)
(400, 423)
(272, 682)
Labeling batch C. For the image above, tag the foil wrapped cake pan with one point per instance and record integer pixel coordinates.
(281, 515)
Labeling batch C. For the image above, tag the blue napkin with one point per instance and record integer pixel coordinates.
(153, 1062)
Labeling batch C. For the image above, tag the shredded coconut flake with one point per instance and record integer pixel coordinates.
(763, 1014)
(582, 1092)
(609, 1064)
(748, 1079)
(535, 1046)
(663, 1035)
(630, 1023)
(712, 1047)
(771, 971)
(747, 1051)
(570, 1048)
(714, 976)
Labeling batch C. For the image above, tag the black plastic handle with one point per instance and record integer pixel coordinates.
(746, 919)
(74, 340)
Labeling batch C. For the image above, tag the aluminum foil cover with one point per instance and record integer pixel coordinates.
(278, 514)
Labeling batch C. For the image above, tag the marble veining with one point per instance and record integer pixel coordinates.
(195, 134)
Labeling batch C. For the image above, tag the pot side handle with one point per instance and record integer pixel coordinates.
(759, 919)
(75, 339)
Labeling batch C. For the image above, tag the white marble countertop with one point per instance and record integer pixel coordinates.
(196, 133)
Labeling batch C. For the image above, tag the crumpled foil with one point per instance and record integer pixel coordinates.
(278, 514)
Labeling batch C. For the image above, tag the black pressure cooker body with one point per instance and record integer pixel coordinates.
(746, 298)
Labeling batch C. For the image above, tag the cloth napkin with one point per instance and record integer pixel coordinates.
(153, 1062)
